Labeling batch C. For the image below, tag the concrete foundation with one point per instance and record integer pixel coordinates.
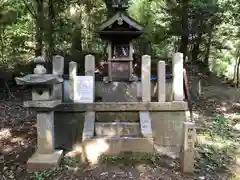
(42, 162)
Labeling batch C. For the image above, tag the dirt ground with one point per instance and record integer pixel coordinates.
(18, 142)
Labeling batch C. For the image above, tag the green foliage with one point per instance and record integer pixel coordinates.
(216, 153)
(44, 175)
(212, 29)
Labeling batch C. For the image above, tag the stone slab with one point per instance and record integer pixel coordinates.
(68, 128)
(83, 89)
(117, 117)
(168, 128)
(43, 105)
(42, 162)
(145, 124)
(117, 129)
(88, 130)
(123, 106)
(133, 89)
(96, 147)
(117, 91)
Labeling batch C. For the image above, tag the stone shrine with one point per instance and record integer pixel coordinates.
(124, 119)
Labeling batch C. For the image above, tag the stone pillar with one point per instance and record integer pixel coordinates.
(161, 81)
(89, 121)
(177, 87)
(72, 74)
(90, 65)
(188, 151)
(45, 132)
(146, 78)
(58, 68)
(109, 61)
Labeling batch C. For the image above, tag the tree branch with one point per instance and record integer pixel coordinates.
(32, 12)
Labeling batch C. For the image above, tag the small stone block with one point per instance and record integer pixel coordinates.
(145, 123)
(187, 161)
(88, 130)
(42, 162)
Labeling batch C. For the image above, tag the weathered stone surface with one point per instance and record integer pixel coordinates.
(72, 75)
(41, 104)
(168, 128)
(123, 106)
(45, 132)
(117, 129)
(178, 93)
(161, 81)
(68, 129)
(188, 151)
(117, 91)
(146, 78)
(170, 151)
(129, 91)
(57, 91)
(93, 148)
(88, 130)
(42, 162)
(89, 65)
(58, 65)
(36, 79)
(145, 123)
(41, 94)
(117, 116)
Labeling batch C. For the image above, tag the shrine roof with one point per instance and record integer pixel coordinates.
(121, 15)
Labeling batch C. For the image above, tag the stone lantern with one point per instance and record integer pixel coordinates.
(46, 94)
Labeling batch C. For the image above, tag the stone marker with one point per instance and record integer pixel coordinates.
(90, 65)
(146, 78)
(177, 87)
(187, 152)
(58, 68)
(72, 75)
(88, 130)
(145, 123)
(84, 89)
(161, 81)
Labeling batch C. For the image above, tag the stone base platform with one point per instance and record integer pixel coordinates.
(94, 148)
(42, 162)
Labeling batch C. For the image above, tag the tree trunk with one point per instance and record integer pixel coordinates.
(39, 28)
(196, 47)
(185, 30)
(206, 58)
(50, 28)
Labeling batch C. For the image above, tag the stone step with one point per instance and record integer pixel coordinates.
(95, 147)
(117, 116)
(117, 129)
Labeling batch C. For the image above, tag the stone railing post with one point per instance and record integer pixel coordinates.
(58, 70)
(177, 87)
(161, 80)
(187, 153)
(72, 75)
(146, 78)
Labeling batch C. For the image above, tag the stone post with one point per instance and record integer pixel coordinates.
(161, 81)
(188, 151)
(58, 68)
(146, 78)
(89, 120)
(90, 65)
(177, 87)
(72, 74)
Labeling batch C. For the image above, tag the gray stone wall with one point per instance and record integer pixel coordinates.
(167, 131)
(127, 91)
